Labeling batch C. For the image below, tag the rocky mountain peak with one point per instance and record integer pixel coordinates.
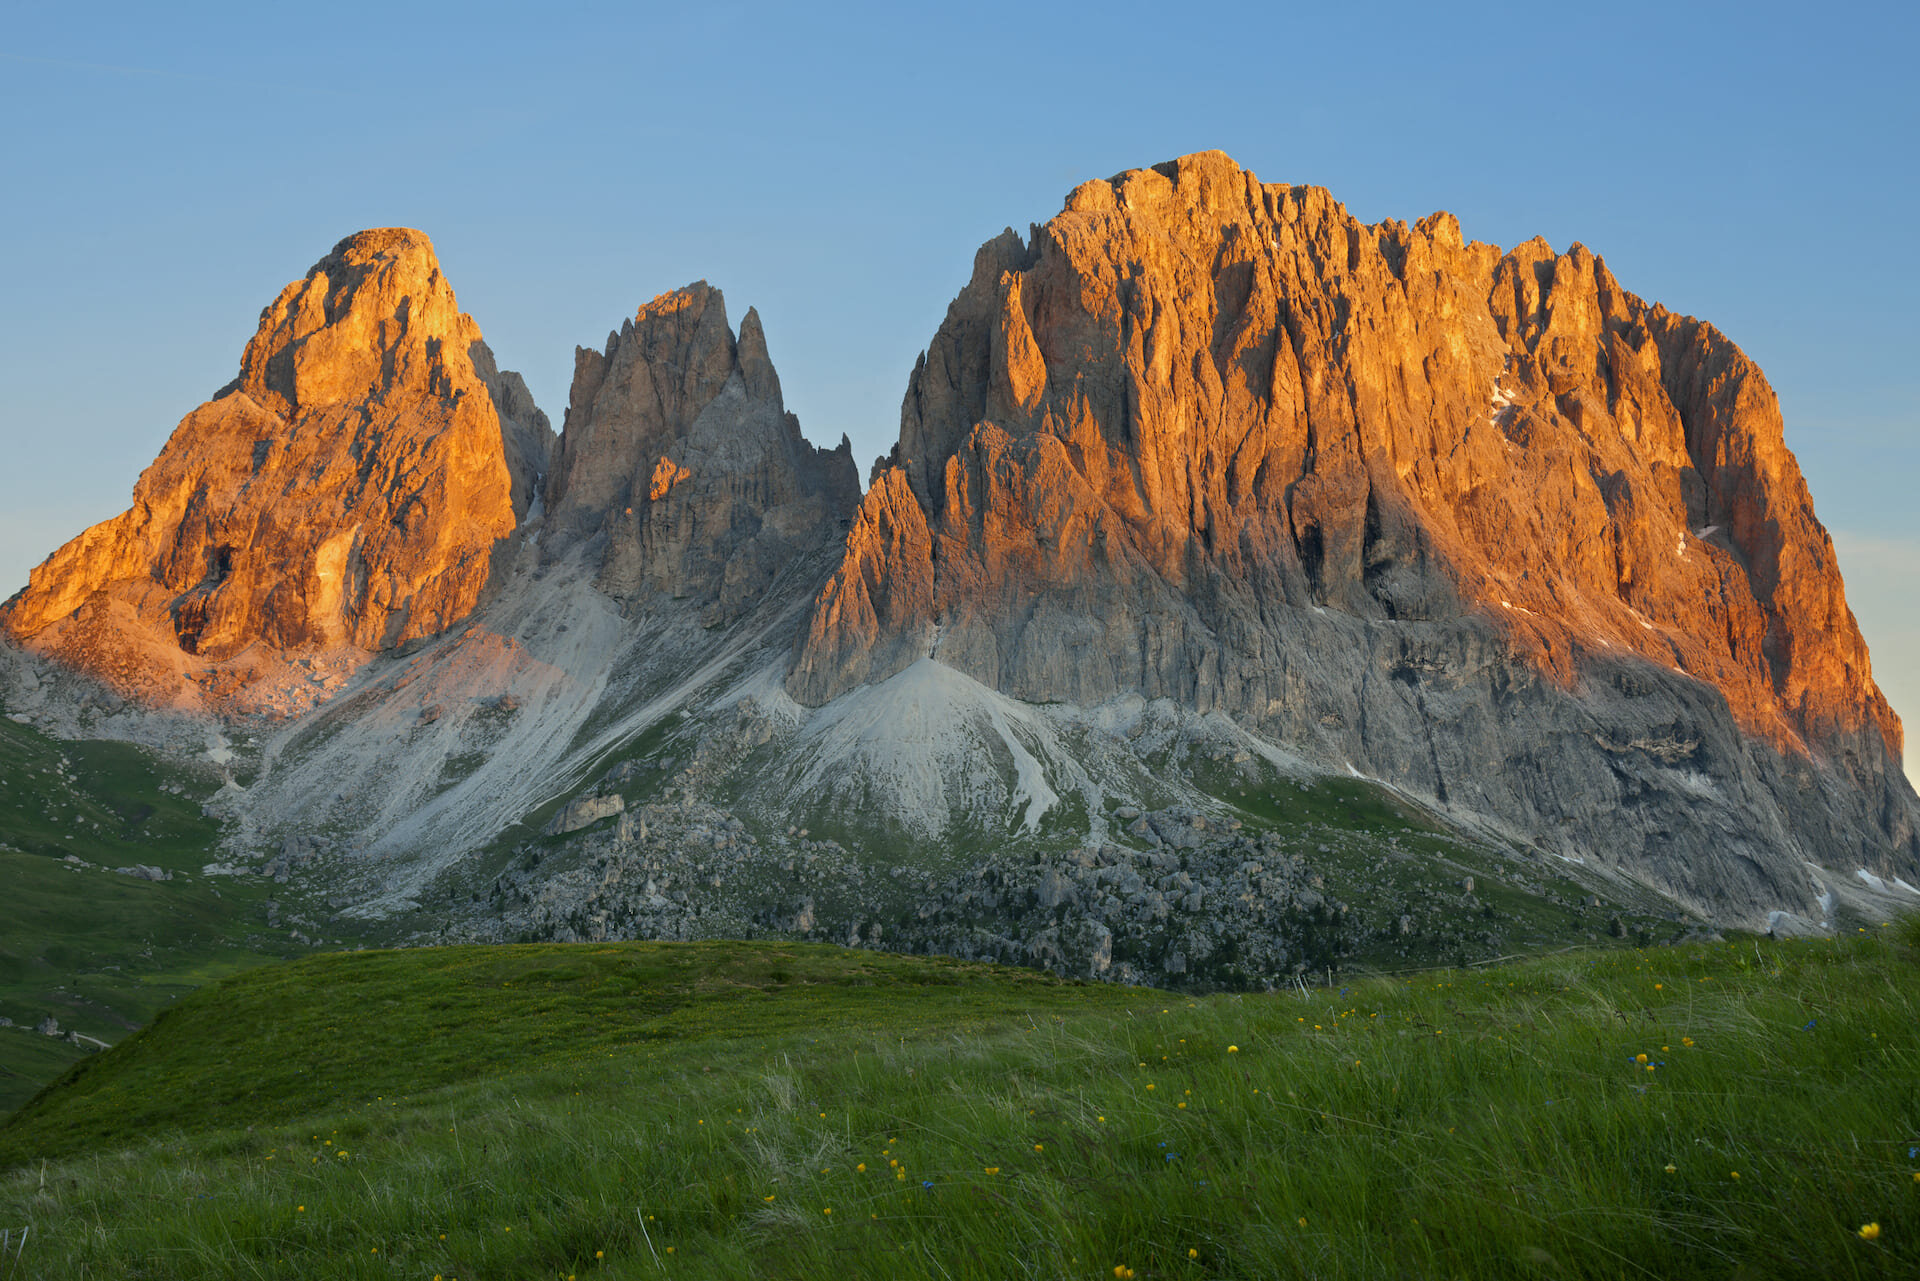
(1204, 438)
(374, 314)
(346, 491)
(679, 463)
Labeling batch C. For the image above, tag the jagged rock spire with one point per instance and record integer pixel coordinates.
(679, 456)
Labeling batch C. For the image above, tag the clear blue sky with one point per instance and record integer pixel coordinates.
(168, 169)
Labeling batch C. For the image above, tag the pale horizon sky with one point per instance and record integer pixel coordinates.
(168, 170)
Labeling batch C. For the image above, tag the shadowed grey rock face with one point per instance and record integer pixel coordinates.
(680, 461)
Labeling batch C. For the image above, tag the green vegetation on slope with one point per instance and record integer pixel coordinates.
(99, 951)
(1405, 874)
(330, 1030)
(716, 1110)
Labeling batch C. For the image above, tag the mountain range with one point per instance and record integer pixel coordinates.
(1250, 589)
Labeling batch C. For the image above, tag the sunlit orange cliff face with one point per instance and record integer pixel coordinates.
(1440, 511)
(1197, 380)
(346, 491)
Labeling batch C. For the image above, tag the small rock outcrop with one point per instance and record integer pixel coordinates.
(348, 489)
(678, 456)
(584, 812)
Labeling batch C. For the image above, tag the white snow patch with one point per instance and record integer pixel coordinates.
(1903, 885)
(219, 751)
(1871, 881)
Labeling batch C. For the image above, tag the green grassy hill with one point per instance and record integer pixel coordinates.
(102, 952)
(765, 1110)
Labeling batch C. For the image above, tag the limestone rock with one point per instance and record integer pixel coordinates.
(584, 812)
(679, 457)
(347, 490)
(1479, 523)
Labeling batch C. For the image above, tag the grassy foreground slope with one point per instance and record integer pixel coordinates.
(100, 951)
(733, 1110)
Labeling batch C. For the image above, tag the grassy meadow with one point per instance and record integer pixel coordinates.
(101, 952)
(1742, 1109)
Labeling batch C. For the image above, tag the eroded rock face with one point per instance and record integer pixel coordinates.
(679, 457)
(347, 490)
(1482, 524)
